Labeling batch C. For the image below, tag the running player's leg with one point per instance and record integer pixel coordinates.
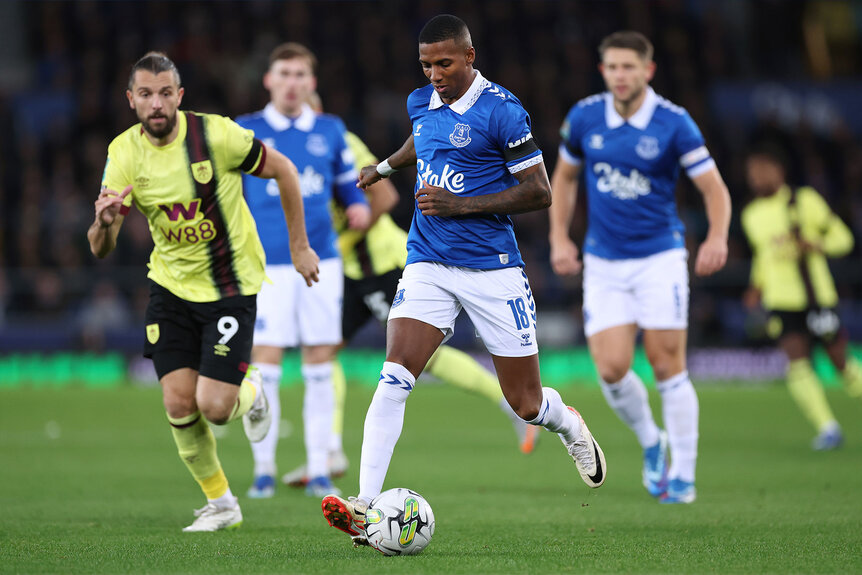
(337, 460)
(275, 329)
(660, 286)
(174, 344)
(665, 350)
(501, 307)
(804, 385)
(355, 313)
(410, 344)
(610, 315)
(228, 389)
(268, 361)
(847, 365)
(422, 315)
(320, 316)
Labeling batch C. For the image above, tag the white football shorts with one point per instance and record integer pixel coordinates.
(499, 303)
(651, 292)
(289, 313)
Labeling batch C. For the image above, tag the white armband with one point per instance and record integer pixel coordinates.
(384, 169)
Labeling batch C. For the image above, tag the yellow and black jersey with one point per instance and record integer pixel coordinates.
(206, 242)
(769, 223)
(382, 248)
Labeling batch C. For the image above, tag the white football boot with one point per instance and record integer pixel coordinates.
(588, 456)
(211, 517)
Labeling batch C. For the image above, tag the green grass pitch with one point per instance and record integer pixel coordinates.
(90, 483)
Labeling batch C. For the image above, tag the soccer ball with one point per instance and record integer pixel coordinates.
(399, 522)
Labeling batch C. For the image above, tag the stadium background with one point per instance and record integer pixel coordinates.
(743, 69)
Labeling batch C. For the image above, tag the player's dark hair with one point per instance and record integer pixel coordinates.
(445, 27)
(628, 39)
(155, 62)
(771, 150)
(291, 50)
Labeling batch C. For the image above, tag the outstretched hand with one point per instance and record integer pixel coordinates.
(108, 205)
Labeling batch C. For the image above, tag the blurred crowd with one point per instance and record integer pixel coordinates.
(66, 65)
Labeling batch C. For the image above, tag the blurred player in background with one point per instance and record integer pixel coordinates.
(291, 312)
(373, 263)
(477, 163)
(631, 144)
(792, 232)
(182, 170)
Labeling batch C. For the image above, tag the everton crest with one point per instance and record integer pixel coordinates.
(460, 136)
(647, 147)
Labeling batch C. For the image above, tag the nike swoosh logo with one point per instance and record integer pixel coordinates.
(597, 476)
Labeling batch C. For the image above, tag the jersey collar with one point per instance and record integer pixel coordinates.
(279, 122)
(466, 101)
(639, 119)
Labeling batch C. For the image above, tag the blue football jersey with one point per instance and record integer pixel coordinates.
(470, 148)
(316, 144)
(630, 169)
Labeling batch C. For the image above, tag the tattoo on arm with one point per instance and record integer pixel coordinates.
(531, 193)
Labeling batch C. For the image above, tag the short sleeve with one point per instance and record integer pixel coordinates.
(691, 149)
(116, 176)
(241, 149)
(515, 136)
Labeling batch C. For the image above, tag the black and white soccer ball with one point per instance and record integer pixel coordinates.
(399, 522)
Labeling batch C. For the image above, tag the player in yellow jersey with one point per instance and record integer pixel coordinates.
(182, 170)
(792, 232)
(373, 261)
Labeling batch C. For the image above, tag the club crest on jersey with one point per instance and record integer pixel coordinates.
(202, 172)
(647, 147)
(460, 136)
(399, 298)
(153, 333)
(317, 145)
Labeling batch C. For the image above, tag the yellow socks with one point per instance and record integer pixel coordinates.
(457, 368)
(244, 400)
(197, 448)
(339, 386)
(806, 391)
(852, 377)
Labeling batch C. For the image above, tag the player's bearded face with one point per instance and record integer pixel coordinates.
(159, 124)
(626, 74)
(155, 99)
(449, 67)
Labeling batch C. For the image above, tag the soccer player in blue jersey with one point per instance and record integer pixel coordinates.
(630, 144)
(477, 163)
(290, 312)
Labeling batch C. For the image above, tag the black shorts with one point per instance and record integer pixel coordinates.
(367, 298)
(213, 338)
(821, 324)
